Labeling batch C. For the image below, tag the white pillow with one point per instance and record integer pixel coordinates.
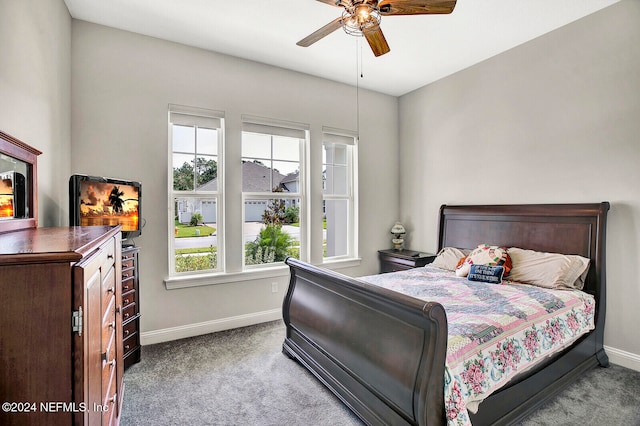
(549, 270)
(449, 257)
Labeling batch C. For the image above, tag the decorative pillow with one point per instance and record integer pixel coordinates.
(485, 254)
(486, 274)
(549, 270)
(448, 258)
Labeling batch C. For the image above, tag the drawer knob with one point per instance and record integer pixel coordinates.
(126, 315)
(125, 275)
(110, 289)
(126, 301)
(126, 332)
(109, 256)
(112, 324)
(125, 287)
(105, 357)
(126, 347)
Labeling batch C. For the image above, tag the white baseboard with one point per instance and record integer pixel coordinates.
(190, 330)
(623, 358)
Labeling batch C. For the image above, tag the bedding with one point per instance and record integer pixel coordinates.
(549, 270)
(449, 257)
(494, 331)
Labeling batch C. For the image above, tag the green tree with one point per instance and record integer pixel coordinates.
(196, 218)
(199, 170)
(207, 170)
(183, 177)
(272, 244)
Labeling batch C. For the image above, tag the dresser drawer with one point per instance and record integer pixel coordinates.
(110, 400)
(128, 298)
(128, 284)
(109, 249)
(108, 366)
(130, 328)
(108, 324)
(108, 285)
(129, 311)
(131, 343)
(128, 271)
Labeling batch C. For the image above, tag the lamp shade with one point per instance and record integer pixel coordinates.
(398, 229)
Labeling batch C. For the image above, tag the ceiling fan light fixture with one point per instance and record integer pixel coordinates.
(360, 18)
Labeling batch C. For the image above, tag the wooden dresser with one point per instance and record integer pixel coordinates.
(61, 326)
(130, 306)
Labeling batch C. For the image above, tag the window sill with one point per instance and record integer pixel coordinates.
(276, 271)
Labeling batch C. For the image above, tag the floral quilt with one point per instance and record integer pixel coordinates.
(494, 330)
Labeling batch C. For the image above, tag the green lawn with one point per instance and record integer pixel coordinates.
(190, 231)
(197, 250)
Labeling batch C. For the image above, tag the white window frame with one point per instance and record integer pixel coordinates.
(204, 118)
(350, 140)
(273, 127)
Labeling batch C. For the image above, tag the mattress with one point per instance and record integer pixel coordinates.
(495, 331)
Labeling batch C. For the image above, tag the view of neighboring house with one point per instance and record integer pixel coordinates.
(256, 177)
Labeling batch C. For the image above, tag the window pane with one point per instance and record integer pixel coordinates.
(271, 230)
(335, 171)
(336, 232)
(256, 175)
(184, 139)
(339, 154)
(183, 172)
(195, 237)
(207, 141)
(256, 145)
(286, 148)
(206, 173)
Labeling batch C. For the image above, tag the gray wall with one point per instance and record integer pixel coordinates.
(122, 85)
(35, 84)
(554, 120)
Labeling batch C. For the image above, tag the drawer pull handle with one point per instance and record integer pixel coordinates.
(125, 275)
(126, 301)
(126, 315)
(126, 332)
(109, 256)
(112, 324)
(112, 400)
(110, 289)
(111, 363)
(125, 287)
(126, 348)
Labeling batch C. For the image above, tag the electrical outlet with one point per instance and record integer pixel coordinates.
(274, 287)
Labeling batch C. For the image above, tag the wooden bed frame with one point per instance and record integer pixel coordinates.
(383, 353)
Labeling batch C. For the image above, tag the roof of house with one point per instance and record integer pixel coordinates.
(255, 178)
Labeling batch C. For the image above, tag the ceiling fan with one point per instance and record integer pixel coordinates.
(362, 17)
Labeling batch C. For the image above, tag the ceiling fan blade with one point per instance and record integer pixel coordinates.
(322, 32)
(416, 7)
(377, 42)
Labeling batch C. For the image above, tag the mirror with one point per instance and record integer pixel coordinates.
(18, 184)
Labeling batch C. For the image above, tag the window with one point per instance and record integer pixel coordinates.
(338, 194)
(196, 189)
(272, 190)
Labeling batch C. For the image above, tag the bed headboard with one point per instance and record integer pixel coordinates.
(558, 228)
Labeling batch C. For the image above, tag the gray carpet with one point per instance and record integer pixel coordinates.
(241, 377)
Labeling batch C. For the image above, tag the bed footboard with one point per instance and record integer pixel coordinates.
(380, 352)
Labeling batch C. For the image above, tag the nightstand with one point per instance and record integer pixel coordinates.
(400, 260)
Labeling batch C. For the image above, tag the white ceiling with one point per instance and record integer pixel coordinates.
(424, 48)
